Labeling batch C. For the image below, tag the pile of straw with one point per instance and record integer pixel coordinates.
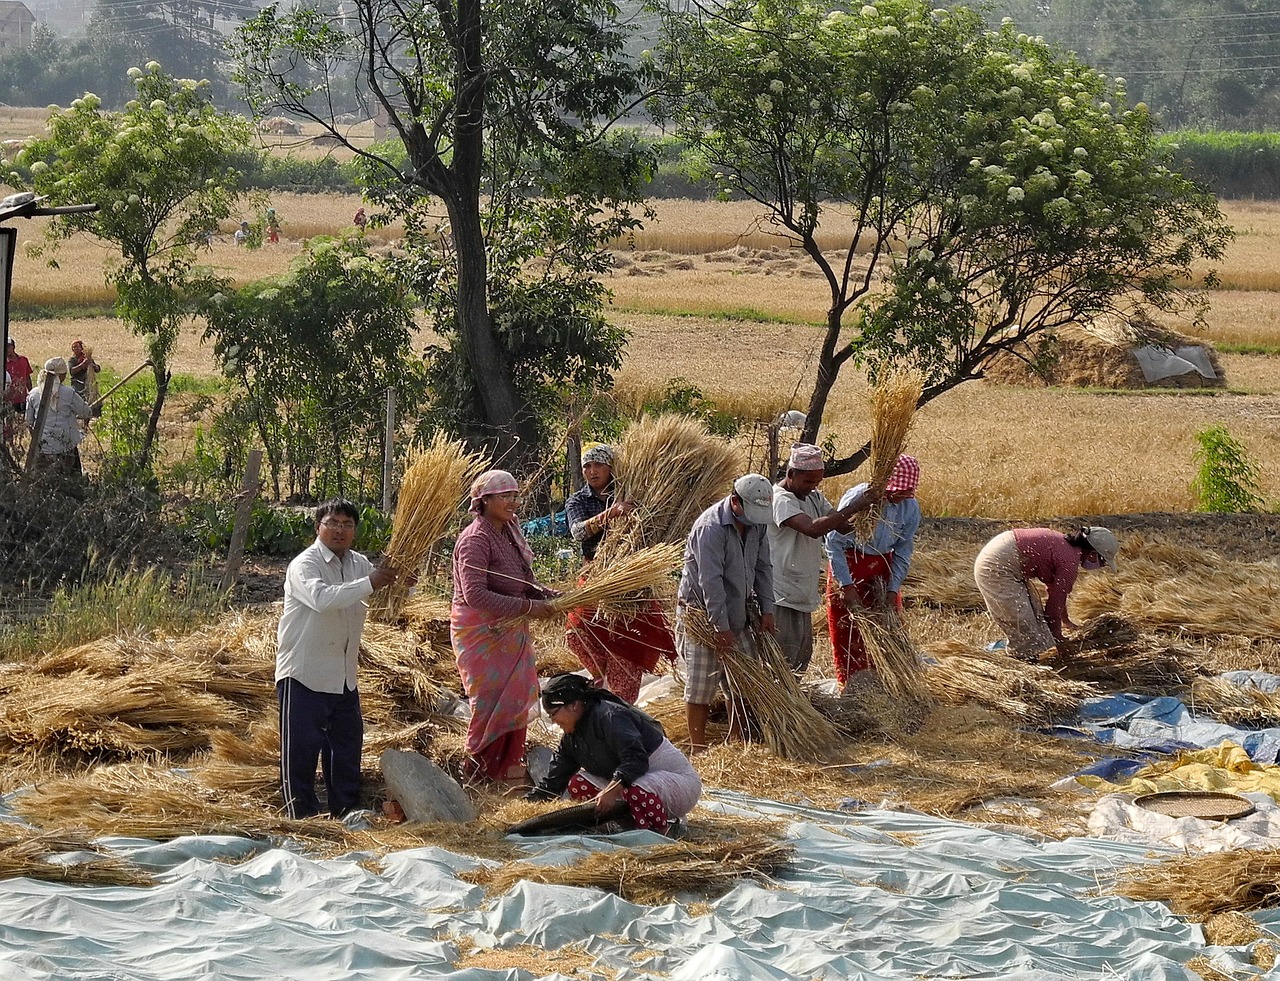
(1238, 705)
(1197, 591)
(962, 674)
(893, 409)
(657, 875)
(625, 586)
(1201, 885)
(764, 682)
(673, 469)
(434, 484)
(944, 578)
(1109, 650)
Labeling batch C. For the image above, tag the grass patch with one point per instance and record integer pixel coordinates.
(1266, 350)
(120, 602)
(750, 315)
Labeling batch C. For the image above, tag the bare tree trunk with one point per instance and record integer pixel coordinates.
(162, 376)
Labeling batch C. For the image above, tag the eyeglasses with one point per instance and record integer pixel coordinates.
(339, 525)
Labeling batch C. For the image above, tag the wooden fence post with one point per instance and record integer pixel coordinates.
(244, 511)
(46, 394)
(389, 451)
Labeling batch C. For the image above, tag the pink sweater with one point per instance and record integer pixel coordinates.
(1046, 556)
(490, 574)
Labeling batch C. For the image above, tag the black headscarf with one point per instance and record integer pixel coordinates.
(565, 689)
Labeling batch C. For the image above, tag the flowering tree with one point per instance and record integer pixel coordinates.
(162, 172)
(993, 189)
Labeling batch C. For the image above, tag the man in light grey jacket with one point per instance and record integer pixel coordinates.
(726, 567)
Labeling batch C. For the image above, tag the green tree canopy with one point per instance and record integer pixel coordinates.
(161, 172)
(314, 350)
(496, 105)
(991, 188)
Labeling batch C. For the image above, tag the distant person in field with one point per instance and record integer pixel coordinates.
(242, 234)
(83, 371)
(61, 434)
(326, 592)
(1007, 564)
(869, 573)
(273, 227)
(802, 517)
(17, 370)
(359, 219)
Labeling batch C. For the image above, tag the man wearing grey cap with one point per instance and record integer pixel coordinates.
(801, 517)
(726, 567)
(60, 437)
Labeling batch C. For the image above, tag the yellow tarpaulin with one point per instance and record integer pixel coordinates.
(1225, 767)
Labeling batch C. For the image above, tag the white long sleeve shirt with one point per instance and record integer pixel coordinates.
(324, 610)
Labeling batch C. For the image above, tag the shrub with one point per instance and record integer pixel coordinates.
(1226, 479)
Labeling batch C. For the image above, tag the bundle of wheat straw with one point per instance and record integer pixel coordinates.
(623, 587)
(434, 484)
(893, 654)
(673, 468)
(28, 858)
(963, 674)
(1110, 650)
(1201, 885)
(893, 408)
(653, 875)
(1236, 704)
(766, 685)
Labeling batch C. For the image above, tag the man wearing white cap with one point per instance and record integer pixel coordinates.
(726, 567)
(60, 437)
(802, 516)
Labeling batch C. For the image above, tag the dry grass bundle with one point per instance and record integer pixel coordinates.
(944, 577)
(248, 765)
(398, 675)
(1031, 692)
(1239, 705)
(434, 484)
(1202, 885)
(673, 469)
(624, 586)
(656, 875)
(148, 801)
(27, 855)
(571, 960)
(87, 714)
(893, 653)
(765, 683)
(1110, 651)
(1166, 585)
(893, 410)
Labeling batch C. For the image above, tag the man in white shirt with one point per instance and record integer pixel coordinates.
(325, 594)
(801, 517)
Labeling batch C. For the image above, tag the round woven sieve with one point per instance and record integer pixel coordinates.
(1208, 805)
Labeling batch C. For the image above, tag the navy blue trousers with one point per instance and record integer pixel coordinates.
(318, 726)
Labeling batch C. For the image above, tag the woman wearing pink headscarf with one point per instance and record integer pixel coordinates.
(870, 573)
(494, 595)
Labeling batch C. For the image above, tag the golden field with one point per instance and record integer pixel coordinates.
(706, 317)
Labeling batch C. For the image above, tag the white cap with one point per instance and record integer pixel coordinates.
(756, 494)
(1102, 541)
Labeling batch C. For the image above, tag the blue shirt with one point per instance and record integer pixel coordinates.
(895, 532)
(724, 568)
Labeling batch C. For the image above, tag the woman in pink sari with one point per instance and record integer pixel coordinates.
(494, 595)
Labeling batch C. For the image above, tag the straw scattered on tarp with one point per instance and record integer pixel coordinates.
(657, 874)
(1239, 705)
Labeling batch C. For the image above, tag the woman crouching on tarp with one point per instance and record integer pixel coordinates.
(617, 755)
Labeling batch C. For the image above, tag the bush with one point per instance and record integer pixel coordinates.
(1233, 165)
(1227, 479)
